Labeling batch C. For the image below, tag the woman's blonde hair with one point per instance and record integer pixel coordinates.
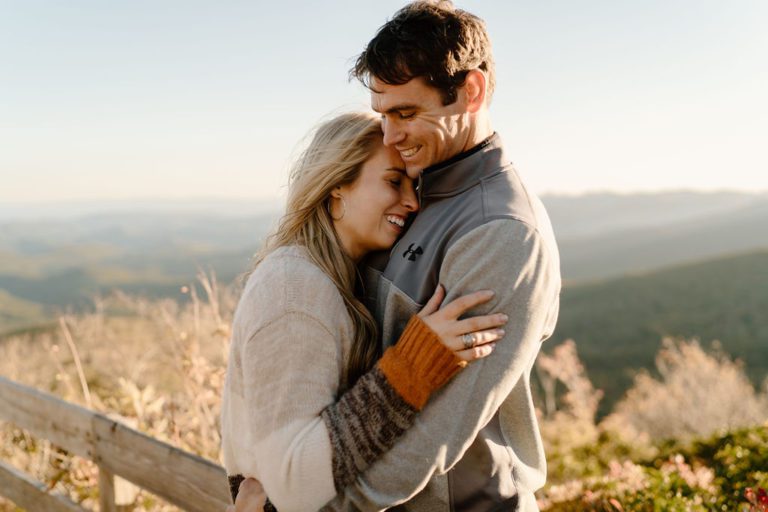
(334, 157)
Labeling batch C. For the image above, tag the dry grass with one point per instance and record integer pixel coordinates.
(158, 365)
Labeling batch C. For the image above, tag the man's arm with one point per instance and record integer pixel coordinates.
(511, 258)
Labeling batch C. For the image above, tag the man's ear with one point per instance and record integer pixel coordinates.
(474, 90)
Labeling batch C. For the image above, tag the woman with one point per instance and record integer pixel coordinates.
(308, 404)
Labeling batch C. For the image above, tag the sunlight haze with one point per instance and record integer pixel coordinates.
(116, 100)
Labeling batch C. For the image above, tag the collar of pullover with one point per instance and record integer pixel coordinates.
(464, 170)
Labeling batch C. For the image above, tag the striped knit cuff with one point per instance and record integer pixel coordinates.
(365, 423)
(419, 364)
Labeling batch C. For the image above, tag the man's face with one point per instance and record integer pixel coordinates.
(417, 124)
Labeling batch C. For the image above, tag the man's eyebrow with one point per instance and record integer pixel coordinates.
(398, 108)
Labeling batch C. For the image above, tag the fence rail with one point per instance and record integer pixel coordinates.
(179, 477)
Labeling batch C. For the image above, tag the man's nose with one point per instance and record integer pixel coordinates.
(393, 134)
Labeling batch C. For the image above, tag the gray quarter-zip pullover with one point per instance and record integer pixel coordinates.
(476, 446)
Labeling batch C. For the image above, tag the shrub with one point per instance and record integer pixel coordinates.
(696, 394)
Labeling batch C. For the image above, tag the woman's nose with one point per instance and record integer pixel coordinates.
(410, 201)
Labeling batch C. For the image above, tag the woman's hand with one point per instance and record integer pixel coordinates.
(250, 497)
(471, 338)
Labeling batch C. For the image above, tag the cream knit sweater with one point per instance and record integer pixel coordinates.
(282, 419)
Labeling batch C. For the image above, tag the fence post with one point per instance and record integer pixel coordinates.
(106, 490)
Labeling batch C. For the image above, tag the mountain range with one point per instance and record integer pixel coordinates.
(636, 267)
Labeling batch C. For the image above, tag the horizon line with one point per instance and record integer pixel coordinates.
(6, 202)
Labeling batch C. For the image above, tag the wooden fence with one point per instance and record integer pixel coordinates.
(178, 477)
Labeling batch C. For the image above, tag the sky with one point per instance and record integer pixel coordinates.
(103, 100)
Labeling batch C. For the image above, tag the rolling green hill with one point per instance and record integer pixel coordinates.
(16, 313)
(597, 214)
(51, 265)
(26, 301)
(632, 250)
(618, 324)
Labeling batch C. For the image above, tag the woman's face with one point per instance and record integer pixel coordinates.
(375, 206)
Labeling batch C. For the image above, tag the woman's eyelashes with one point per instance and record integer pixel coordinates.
(394, 178)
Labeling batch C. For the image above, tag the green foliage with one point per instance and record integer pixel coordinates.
(739, 460)
(706, 474)
(593, 459)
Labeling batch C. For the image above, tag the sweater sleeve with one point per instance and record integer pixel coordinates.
(307, 444)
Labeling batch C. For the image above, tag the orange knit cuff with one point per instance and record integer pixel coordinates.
(419, 364)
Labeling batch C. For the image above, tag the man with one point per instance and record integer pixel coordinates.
(476, 446)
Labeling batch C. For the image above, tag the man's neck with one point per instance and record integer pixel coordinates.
(460, 156)
(479, 130)
(478, 133)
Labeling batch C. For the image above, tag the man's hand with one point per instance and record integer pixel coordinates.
(250, 497)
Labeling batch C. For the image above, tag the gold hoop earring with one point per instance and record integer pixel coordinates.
(343, 212)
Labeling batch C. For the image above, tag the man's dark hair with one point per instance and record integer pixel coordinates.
(432, 40)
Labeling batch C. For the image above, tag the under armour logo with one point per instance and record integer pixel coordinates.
(413, 253)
